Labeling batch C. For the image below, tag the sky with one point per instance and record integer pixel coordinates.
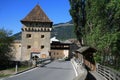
(12, 11)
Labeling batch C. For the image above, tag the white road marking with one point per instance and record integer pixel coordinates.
(74, 69)
(20, 73)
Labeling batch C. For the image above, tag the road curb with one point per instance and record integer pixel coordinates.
(18, 73)
(32, 68)
(2, 78)
(76, 74)
(24, 70)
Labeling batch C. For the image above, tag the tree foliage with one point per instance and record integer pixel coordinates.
(5, 47)
(102, 29)
(78, 15)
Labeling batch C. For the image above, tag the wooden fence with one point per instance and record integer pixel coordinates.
(108, 73)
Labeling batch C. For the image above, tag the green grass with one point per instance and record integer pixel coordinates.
(4, 75)
(22, 68)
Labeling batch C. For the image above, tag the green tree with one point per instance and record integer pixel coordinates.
(5, 47)
(77, 12)
(101, 27)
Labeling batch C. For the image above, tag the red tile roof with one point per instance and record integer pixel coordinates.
(36, 15)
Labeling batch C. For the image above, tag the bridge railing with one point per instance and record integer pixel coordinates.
(42, 62)
(108, 73)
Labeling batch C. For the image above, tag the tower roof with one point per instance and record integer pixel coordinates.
(36, 15)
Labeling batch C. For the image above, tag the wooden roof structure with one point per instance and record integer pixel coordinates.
(36, 15)
(88, 57)
(85, 49)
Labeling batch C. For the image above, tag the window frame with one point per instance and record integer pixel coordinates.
(42, 36)
(42, 46)
(28, 35)
(28, 46)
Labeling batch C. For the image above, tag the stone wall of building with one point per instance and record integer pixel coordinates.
(37, 42)
(16, 50)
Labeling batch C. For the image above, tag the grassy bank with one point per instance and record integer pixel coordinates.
(11, 71)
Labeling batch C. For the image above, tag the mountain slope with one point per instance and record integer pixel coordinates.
(18, 36)
(63, 32)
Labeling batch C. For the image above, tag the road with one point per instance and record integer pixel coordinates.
(53, 71)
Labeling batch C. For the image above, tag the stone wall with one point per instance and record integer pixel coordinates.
(16, 50)
(38, 42)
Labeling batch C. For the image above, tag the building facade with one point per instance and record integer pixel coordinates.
(36, 32)
(59, 50)
(16, 50)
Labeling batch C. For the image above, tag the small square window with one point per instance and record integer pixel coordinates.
(30, 24)
(28, 46)
(28, 35)
(42, 47)
(42, 36)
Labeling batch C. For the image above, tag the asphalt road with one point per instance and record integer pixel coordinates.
(53, 71)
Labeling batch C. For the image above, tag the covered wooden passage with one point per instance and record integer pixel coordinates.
(85, 55)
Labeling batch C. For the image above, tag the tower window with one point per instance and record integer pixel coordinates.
(42, 36)
(28, 35)
(42, 47)
(28, 46)
(19, 45)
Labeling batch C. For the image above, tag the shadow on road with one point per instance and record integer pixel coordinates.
(90, 77)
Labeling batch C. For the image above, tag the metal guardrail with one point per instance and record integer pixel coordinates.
(41, 62)
(108, 73)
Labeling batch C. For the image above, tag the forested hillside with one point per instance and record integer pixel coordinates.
(63, 32)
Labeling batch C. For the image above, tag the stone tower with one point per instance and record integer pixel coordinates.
(36, 32)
